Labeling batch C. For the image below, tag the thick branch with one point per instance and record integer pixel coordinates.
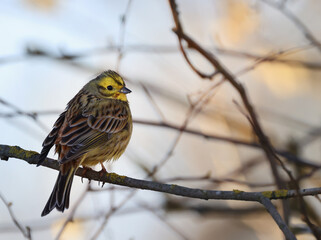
(31, 157)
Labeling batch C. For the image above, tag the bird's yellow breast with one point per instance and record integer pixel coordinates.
(109, 150)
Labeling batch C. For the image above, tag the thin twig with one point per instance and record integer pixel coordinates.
(72, 212)
(163, 219)
(122, 35)
(112, 211)
(207, 177)
(297, 22)
(193, 110)
(277, 218)
(18, 111)
(26, 231)
(253, 119)
(290, 157)
(159, 49)
(153, 102)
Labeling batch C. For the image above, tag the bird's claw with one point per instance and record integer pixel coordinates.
(102, 172)
(85, 169)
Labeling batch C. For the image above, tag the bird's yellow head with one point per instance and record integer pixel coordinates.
(109, 84)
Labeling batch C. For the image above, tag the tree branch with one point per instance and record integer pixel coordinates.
(264, 141)
(277, 218)
(290, 157)
(31, 157)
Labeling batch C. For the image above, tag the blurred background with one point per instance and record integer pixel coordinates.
(50, 48)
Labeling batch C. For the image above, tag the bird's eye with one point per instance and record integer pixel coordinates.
(110, 87)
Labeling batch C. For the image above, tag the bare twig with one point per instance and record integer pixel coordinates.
(164, 220)
(193, 110)
(296, 21)
(26, 231)
(207, 177)
(18, 111)
(72, 212)
(122, 34)
(236, 84)
(159, 49)
(263, 139)
(112, 211)
(273, 58)
(153, 102)
(165, 124)
(282, 153)
(277, 218)
(211, 209)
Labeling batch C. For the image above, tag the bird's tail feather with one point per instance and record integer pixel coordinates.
(59, 197)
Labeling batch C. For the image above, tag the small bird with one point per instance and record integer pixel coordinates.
(95, 127)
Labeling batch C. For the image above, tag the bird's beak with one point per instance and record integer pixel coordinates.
(125, 90)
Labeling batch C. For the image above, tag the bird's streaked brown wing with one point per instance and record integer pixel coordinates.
(86, 130)
(51, 138)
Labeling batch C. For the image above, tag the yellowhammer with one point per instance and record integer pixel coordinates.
(95, 127)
